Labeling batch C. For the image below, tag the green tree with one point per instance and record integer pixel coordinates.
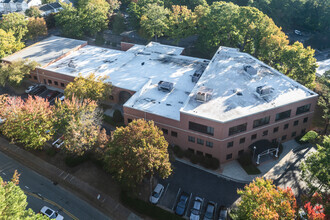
(118, 25)
(137, 151)
(16, 23)
(113, 5)
(33, 12)
(261, 199)
(36, 27)
(48, 1)
(90, 87)
(80, 121)
(29, 122)
(154, 21)
(14, 73)
(315, 168)
(13, 201)
(323, 89)
(8, 43)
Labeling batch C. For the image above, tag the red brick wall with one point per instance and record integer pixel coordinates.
(125, 46)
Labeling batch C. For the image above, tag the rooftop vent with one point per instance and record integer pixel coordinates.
(238, 92)
(198, 73)
(71, 64)
(250, 70)
(264, 90)
(165, 86)
(204, 94)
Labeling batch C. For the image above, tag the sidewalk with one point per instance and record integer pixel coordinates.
(271, 169)
(101, 201)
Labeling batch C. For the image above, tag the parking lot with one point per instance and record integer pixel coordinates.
(195, 182)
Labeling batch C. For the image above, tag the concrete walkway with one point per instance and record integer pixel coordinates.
(271, 169)
(90, 194)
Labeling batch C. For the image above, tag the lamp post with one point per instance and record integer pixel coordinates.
(254, 150)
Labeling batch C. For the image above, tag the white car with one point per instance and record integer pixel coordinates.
(2, 121)
(156, 194)
(297, 32)
(50, 213)
(30, 88)
(196, 209)
(59, 142)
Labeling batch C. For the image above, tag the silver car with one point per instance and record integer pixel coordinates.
(196, 209)
(156, 194)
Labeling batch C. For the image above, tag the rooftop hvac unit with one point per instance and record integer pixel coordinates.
(250, 70)
(264, 90)
(198, 73)
(165, 86)
(204, 94)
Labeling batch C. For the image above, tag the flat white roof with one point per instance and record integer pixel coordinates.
(139, 69)
(46, 50)
(234, 90)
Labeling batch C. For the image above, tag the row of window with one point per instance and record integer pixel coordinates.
(264, 121)
(200, 141)
(173, 133)
(50, 82)
(228, 156)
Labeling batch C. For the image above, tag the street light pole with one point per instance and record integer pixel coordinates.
(254, 150)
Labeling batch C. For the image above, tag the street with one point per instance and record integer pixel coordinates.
(42, 192)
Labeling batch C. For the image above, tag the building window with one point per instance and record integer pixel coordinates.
(275, 130)
(230, 144)
(199, 153)
(200, 141)
(265, 133)
(241, 152)
(201, 128)
(293, 134)
(242, 140)
(165, 131)
(229, 156)
(35, 78)
(274, 140)
(129, 120)
(283, 115)
(283, 137)
(305, 120)
(286, 126)
(209, 144)
(261, 122)
(191, 139)
(55, 83)
(303, 131)
(111, 97)
(30, 76)
(237, 129)
(303, 109)
(62, 84)
(174, 133)
(208, 155)
(49, 81)
(295, 123)
(254, 136)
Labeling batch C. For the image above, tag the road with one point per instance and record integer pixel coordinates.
(40, 191)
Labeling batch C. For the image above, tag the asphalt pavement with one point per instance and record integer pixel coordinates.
(42, 192)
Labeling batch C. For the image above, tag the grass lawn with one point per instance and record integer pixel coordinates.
(251, 169)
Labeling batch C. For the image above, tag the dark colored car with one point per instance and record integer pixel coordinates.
(38, 90)
(223, 214)
(182, 204)
(52, 95)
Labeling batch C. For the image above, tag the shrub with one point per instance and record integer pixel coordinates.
(206, 162)
(180, 154)
(176, 149)
(245, 159)
(73, 161)
(114, 44)
(117, 116)
(188, 154)
(310, 137)
(215, 163)
(194, 159)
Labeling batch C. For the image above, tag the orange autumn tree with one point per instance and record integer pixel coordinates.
(261, 199)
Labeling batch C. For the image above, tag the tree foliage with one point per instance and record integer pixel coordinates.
(29, 122)
(80, 122)
(315, 169)
(33, 12)
(8, 43)
(317, 206)
(14, 73)
(261, 199)
(137, 151)
(36, 27)
(323, 89)
(91, 87)
(16, 23)
(13, 201)
(118, 25)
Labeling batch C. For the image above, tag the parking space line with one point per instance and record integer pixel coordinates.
(176, 198)
(188, 204)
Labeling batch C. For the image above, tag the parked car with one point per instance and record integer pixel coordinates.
(156, 194)
(182, 204)
(209, 211)
(30, 88)
(2, 120)
(50, 213)
(52, 95)
(223, 214)
(60, 97)
(38, 90)
(196, 209)
(59, 142)
(297, 32)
